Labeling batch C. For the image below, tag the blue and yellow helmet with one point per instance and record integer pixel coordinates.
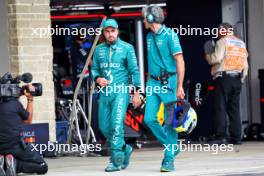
(185, 118)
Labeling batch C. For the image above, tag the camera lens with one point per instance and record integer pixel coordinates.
(38, 89)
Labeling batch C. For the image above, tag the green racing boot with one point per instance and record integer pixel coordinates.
(128, 152)
(167, 165)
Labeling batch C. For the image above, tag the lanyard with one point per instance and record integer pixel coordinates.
(160, 56)
(110, 57)
(108, 72)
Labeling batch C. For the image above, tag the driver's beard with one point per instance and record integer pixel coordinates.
(111, 42)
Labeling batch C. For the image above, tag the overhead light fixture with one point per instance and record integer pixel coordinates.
(96, 7)
(137, 6)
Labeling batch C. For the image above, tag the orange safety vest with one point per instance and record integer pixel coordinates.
(235, 55)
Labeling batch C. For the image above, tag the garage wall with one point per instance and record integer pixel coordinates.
(4, 60)
(31, 52)
(255, 25)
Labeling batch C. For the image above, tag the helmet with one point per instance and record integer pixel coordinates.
(184, 118)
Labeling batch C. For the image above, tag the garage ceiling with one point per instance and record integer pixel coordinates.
(99, 6)
(102, 2)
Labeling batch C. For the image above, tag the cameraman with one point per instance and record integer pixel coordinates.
(14, 153)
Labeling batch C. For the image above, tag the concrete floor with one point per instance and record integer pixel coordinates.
(245, 160)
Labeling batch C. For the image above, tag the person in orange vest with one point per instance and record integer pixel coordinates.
(229, 68)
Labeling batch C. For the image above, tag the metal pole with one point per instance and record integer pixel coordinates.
(80, 81)
(140, 50)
